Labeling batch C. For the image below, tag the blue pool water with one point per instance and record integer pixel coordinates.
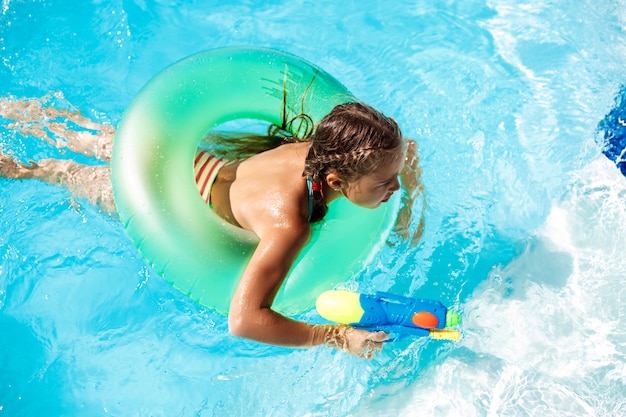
(525, 218)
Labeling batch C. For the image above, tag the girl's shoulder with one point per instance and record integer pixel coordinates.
(275, 165)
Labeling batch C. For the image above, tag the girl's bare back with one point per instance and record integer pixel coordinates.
(265, 190)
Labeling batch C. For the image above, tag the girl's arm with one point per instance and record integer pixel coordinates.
(251, 315)
(411, 179)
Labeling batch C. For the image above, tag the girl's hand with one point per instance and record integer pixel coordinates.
(411, 178)
(356, 342)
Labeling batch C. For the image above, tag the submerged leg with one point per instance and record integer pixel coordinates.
(86, 181)
(61, 128)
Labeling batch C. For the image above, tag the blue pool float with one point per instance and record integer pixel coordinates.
(612, 132)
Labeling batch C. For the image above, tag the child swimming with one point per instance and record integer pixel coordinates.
(355, 152)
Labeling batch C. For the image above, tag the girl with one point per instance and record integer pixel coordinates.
(355, 153)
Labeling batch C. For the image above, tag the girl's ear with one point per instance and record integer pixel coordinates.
(334, 180)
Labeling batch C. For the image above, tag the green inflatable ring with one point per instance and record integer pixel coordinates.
(159, 204)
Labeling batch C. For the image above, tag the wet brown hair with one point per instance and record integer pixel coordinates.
(353, 140)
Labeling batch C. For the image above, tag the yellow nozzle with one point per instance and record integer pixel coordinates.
(445, 334)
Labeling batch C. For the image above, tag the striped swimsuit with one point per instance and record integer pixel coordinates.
(205, 169)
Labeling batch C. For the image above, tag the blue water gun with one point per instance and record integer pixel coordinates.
(390, 313)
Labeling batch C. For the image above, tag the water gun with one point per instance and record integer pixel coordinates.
(390, 313)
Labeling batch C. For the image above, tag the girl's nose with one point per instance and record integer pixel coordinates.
(395, 185)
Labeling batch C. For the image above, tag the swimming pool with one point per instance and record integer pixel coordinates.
(525, 219)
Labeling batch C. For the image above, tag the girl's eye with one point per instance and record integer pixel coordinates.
(389, 182)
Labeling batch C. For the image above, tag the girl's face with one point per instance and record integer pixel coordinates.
(375, 188)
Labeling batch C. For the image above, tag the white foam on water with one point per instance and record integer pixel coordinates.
(543, 335)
